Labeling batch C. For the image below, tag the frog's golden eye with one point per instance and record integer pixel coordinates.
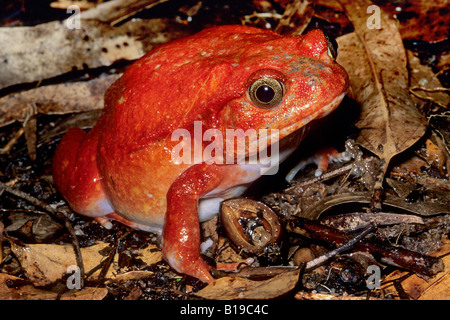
(332, 47)
(266, 92)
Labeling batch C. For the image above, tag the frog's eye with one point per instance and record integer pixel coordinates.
(266, 92)
(332, 47)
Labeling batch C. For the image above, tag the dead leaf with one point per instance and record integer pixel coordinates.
(230, 288)
(28, 292)
(434, 156)
(375, 60)
(46, 263)
(64, 4)
(151, 254)
(332, 12)
(421, 20)
(53, 49)
(434, 288)
(114, 12)
(420, 208)
(83, 120)
(302, 295)
(132, 275)
(42, 225)
(297, 14)
(424, 83)
(55, 99)
(88, 293)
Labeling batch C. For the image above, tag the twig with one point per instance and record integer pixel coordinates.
(12, 141)
(359, 220)
(57, 214)
(395, 256)
(2, 229)
(330, 254)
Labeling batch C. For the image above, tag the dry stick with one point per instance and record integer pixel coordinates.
(59, 215)
(11, 142)
(330, 254)
(395, 256)
(111, 255)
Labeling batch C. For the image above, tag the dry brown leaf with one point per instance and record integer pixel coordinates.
(296, 17)
(424, 83)
(117, 11)
(434, 288)
(46, 263)
(28, 292)
(132, 275)
(421, 20)
(55, 99)
(230, 288)
(375, 60)
(88, 293)
(151, 254)
(64, 4)
(51, 49)
(302, 295)
(332, 12)
(419, 208)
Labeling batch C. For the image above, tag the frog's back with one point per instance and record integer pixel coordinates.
(178, 83)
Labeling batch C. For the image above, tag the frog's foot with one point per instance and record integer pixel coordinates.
(187, 262)
(195, 266)
(321, 159)
(104, 222)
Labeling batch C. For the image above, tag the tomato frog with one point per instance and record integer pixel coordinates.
(227, 77)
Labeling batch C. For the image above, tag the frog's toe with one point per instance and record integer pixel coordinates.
(104, 222)
(195, 267)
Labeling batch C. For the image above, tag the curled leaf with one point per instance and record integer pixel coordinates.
(230, 288)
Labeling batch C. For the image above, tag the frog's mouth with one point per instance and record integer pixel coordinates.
(323, 112)
(274, 136)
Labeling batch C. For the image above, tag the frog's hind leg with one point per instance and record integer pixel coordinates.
(76, 175)
(77, 178)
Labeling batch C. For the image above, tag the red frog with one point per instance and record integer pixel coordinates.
(228, 77)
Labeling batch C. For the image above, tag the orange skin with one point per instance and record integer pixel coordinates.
(122, 169)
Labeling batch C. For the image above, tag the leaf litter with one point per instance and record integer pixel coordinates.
(390, 125)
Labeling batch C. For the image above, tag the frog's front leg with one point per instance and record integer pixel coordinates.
(181, 233)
